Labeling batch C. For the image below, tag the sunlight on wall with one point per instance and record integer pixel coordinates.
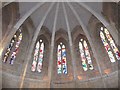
(107, 71)
(79, 77)
(1, 49)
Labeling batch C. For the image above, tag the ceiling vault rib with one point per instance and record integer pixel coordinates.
(0, 27)
(7, 3)
(20, 22)
(102, 20)
(33, 43)
(52, 44)
(70, 42)
(88, 37)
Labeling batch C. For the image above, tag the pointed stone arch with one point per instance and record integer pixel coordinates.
(61, 36)
(45, 36)
(78, 34)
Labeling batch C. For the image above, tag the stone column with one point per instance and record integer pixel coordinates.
(89, 39)
(33, 43)
(70, 44)
(100, 17)
(1, 49)
(50, 71)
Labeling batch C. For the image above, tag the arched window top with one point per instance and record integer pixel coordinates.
(20, 37)
(106, 31)
(42, 47)
(59, 47)
(102, 28)
(37, 45)
(85, 44)
(85, 55)
(102, 35)
(63, 46)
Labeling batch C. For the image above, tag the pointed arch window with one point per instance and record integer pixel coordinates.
(85, 55)
(38, 57)
(13, 48)
(109, 45)
(61, 59)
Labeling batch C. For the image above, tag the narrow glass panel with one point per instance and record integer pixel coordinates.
(34, 63)
(64, 64)
(40, 61)
(59, 63)
(88, 57)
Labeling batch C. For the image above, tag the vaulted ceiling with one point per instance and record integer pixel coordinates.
(39, 13)
(36, 11)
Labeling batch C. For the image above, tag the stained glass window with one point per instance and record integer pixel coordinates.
(109, 45)
(13, 56)
(38, 57)
(61, 59)
(13, 47)
(85, 55)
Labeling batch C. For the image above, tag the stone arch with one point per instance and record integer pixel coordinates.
(12, 12)
(61, 36)
(61, 33)
(103, 59)
(30, 27)
(110, 12)
(45, 35)
(15, 70)
(81, 74)
(76, 31)
(45, 31)
(23, 47)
